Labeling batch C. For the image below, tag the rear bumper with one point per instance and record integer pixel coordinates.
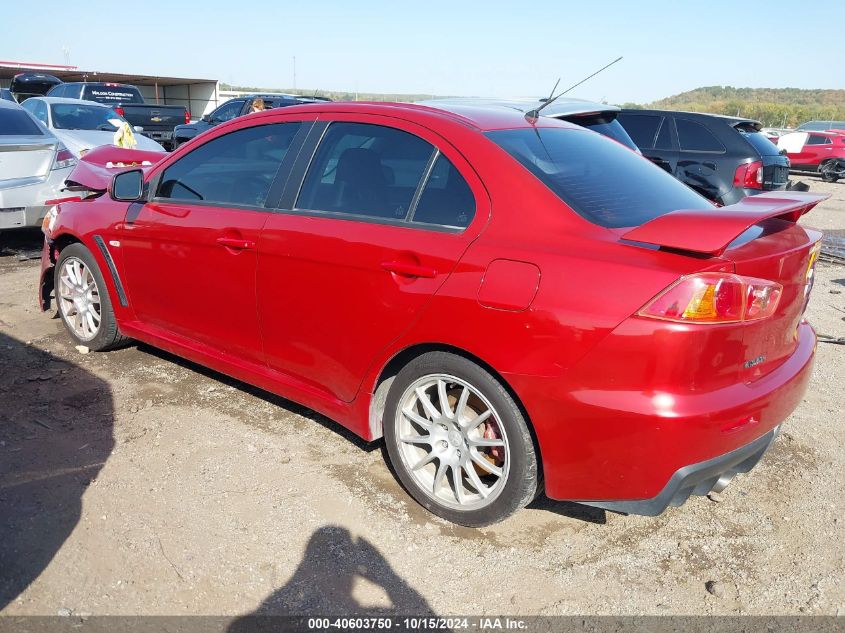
(24, 206)
(606, 435)
(696, 479)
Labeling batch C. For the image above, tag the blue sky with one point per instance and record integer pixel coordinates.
(488, 48)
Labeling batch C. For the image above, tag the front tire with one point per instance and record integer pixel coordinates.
(458, 442)
(83, 300)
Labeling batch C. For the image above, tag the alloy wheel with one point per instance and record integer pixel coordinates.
(79, 299)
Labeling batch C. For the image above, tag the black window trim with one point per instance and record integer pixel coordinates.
(274, 192)
(724, 149)
(305, 165)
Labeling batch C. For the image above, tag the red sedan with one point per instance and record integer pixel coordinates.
(518, 306)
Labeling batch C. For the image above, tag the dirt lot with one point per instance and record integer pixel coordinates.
(134, 483)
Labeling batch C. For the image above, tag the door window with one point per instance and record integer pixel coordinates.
(235, 169)
(694, 137)
(365, 170)
(818, 139)
(642, 128)
(664, 136)
(446, 199)
(37, 108)
(227, 111)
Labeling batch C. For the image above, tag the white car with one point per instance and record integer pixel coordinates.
(33, 167)
(82, 125)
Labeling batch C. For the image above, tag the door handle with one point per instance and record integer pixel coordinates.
(406, 269)
(236, 243)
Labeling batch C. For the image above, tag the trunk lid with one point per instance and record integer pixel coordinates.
(26, 157)
(760, 238)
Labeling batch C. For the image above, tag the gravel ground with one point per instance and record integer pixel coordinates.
(135, 483)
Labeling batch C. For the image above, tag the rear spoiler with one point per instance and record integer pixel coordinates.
(96, 169)
(711, 231)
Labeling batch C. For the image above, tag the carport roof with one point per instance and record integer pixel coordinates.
(9, 69)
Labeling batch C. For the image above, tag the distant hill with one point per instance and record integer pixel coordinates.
(335, 95)
(774, 107)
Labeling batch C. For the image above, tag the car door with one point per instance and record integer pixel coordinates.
(699, 158)
(384, 212)
(190, 251)
(817, 149)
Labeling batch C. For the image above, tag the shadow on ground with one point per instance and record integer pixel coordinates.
(56, 422)
(324, 581)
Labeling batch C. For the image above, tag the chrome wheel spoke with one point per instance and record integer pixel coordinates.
(451, 442)
(79, 299)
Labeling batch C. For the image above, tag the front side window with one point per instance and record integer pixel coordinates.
(37, 108)
(642, 128)
(365, 170)
(597, 178)
(235, 169)
(664, 136)
(694, 137)
(227, 111)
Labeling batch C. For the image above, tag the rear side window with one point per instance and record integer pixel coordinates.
(14, 122)
(761, 143)
(365, 170)
(234, 169)
(446, 199)
(112, 94)
(605, 183)
(818, 139)
(694, 137)
(642, 128)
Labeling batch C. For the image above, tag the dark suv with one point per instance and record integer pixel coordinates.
(723, 158)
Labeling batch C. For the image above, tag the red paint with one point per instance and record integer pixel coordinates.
(313, 307)
(812, 155)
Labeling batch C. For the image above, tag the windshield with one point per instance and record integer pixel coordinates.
(74, 116)
(600, 180)
(14, 122)
(607, 125)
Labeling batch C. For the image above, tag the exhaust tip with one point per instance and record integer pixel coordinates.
(722, 482)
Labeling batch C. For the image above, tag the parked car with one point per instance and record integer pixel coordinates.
(6, 95)
(816, 152)
(234, 108)
(599, 117)
(722, 158)
(155, 121)
(82, 125)
(33, 167)
(26, 85)
(497, 298)
(820, 126)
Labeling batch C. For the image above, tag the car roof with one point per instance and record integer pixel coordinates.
(732, 120)
(481, 118)
(11, 105)
(69, 100)
(560, 108)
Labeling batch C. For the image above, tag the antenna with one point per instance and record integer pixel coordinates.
(534, 114)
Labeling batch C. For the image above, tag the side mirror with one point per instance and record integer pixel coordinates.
(206, 118)
(127, 186)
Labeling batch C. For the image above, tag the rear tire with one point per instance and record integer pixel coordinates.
(83, 300)
(827, 170)
(458, 442)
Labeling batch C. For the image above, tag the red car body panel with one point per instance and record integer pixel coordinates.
(812, 155)
(315, 308)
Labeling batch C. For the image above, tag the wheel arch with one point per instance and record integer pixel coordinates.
(389, 370)
(47, 283)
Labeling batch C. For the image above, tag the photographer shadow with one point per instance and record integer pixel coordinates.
(324, 581)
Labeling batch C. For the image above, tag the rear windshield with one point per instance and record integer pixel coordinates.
(601, 181)
(112, 94)
(760, 142)
(15, 122)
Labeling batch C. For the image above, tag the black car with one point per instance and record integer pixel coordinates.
(26, 85)
(723, 158)
(234, 108)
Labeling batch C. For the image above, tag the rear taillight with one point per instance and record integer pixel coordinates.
(749, 175)
(187, 117)
(715, 298)
(64, 158)
(810, 278)
(120, 111)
